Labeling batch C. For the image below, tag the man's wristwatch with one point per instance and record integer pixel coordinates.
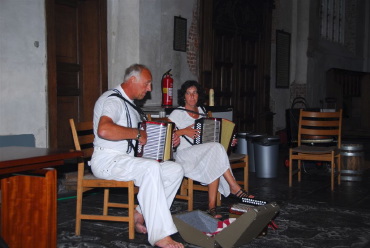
(138, 136)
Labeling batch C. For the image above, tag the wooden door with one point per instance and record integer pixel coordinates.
(77, 63)
(235, 40)
(245, 93)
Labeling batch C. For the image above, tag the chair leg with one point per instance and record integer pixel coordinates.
(184, 187)
(78, 210)
(246, 174)
(332, 165)
(339, 170)
(190, 194)
(106, 200)
(131, 210)
(246, 186)
(299, 170)
(218, 199)
(290, 167)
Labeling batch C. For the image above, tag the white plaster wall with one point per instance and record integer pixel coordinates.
(311, 56)
(279, 97)
(23, 108)
(301, 32)
(142, 32)
(123, 38)
(366, 26)
(324, 55)
(293, 17)
(138, 32)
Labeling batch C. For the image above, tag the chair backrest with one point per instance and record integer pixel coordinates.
(320, 125)
(83, 137)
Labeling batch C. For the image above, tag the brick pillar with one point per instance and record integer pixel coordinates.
(192, 51)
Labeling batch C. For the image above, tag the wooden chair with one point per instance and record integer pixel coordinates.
(237, 160)
(315, 126)
(188, 186)
(240, 161)
(83, 138)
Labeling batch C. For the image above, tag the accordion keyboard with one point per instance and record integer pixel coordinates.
(252, 201)
(210, 130)
(156, 141)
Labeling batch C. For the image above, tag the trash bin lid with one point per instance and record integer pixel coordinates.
(252, 136)
(243, 135)
(267, 140)
(352, 147)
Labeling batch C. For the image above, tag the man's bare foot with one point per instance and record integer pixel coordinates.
(168, 242)
(139, 223)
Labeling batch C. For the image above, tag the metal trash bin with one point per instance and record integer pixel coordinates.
(250, 149)
(266, 156)
(352, 162)
(242, 145)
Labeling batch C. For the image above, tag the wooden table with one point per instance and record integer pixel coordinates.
(29, 195)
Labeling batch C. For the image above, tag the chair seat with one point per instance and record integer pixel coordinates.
(236, 157)
(90, 176)
(317, 141)
(314, 149)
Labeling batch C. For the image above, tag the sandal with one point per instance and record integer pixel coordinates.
(213, 213)
(240, 194)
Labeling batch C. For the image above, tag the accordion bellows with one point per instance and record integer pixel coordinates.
(159, 140)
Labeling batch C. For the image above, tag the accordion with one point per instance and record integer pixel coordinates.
(246, 204)
(214, 130)
(159, 140)
(252, 201)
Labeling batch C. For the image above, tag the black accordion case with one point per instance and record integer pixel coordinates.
(194, 225)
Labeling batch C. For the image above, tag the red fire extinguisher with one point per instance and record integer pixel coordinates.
(167, 86)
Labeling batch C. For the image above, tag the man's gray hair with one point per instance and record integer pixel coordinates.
(134, 70)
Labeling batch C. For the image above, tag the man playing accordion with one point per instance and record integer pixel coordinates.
(116, 119)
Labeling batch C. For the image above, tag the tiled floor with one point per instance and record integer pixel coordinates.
(310, 216)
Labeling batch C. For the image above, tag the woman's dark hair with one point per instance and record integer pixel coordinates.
(182, 91)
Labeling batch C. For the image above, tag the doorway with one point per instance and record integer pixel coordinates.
(235, 59)
(77, 63)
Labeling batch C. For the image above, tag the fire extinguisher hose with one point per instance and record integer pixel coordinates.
(166, 73)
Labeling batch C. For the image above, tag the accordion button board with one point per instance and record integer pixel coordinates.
(210, 130)
(252, 201)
